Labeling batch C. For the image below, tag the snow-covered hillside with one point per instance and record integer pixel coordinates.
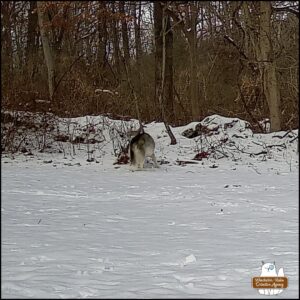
(77, 225)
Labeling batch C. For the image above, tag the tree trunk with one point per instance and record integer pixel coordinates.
(164, 62)
(168, 88)
(138, 46)
(158, 42)
(102, 38)
(270, 85)
(189, 30)
(47, 48)
(116, 48)
(192, 41)
(6, 45)
(124, 33)
(164, 92)
(31, 50)
(31, 33)
(193, 81)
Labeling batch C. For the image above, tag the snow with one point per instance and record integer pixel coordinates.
(78, 229)
(97, 91)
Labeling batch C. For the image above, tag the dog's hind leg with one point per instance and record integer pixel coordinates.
(154, 160)
(140, 158)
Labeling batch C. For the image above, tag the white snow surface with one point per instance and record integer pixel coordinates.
(78, 229)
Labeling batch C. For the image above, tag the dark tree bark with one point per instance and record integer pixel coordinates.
(163, 62)
(6, 38)
(124, 33)
(168, 87)
(190, 33)
(102, 40)
(164, 55)
(42, 19)
(138, 44)
(268, 67)
(116, 47)
(32, 40)
(192, 41)
(158, 22)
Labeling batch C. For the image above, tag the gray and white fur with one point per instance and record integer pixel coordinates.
(142, 146)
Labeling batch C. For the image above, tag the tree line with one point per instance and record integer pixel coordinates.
(172, 61)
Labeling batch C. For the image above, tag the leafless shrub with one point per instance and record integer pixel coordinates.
(22, 131)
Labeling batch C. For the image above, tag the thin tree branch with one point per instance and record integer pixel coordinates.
(64, 74)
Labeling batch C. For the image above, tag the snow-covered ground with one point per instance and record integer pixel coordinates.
(73, 228)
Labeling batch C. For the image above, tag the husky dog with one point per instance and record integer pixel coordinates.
(142, 146)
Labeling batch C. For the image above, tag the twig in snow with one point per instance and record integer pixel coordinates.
(293, 139)
(281, 137)
(255, 170)
(281, 145)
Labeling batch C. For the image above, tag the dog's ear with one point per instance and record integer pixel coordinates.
(262, 262)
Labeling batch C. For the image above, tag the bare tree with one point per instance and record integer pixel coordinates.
(32, 39)
(125, 38)
(226, 57)
(188, 26)
(116, 47)
(6, 39)
(158, 43)
(257, 69)
(102, 38)
(165, 48)
(137, 44)
(42, 18)
(267, 66)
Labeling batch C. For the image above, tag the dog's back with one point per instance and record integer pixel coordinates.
(141, 146)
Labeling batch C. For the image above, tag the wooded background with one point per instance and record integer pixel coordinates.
(176, 61)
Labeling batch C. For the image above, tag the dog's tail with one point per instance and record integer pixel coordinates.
(137, 144)
(141, 142)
